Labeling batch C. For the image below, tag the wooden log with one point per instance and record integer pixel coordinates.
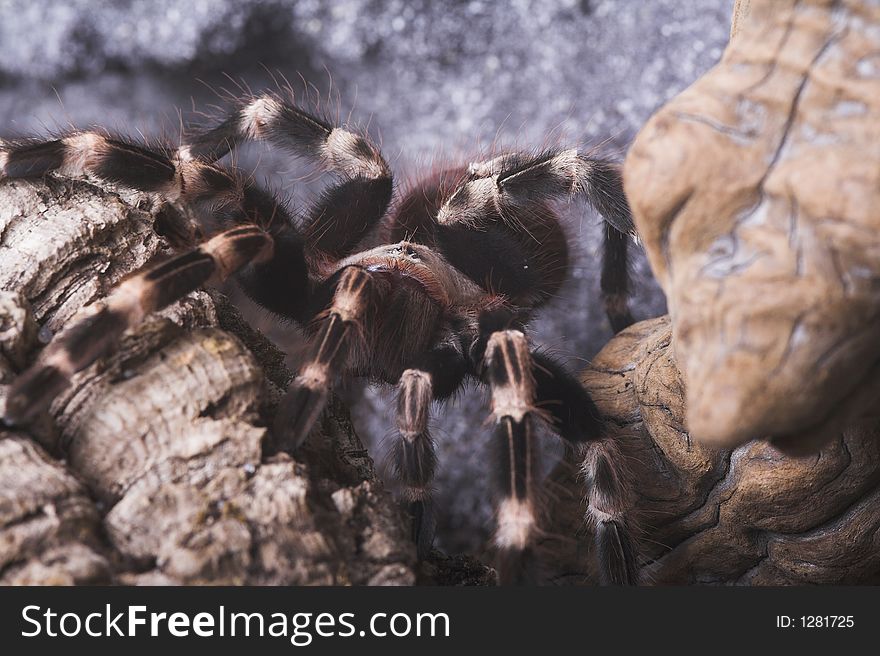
(756, 192)
(704, 515)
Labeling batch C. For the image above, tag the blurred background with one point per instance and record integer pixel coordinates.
(441, 80)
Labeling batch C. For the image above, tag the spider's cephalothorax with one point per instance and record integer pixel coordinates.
(472, 252)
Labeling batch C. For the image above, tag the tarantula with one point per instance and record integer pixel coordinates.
(471, 254)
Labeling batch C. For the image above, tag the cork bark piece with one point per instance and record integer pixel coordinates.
(49, 528)
(701, 514)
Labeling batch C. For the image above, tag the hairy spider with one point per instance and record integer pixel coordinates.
(471, 253)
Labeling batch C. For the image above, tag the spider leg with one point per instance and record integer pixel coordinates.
(337, 329)
(510, 195)
(413, 453)
(216, 197)
(97, 335)
(573, 415)
(528, 385)
(347, 210)
(270, 118)
(116, 161)
(438, 375)
(507, 369)
(615, 280)
(516, 180)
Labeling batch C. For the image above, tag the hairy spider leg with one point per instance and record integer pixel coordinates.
(347, 209)
(511, 193)
(573, 415)
(437, 376)
(518, 179)
(98, 334)
(615, 279)
(607, 505)
(337, 330)
(508, 372)
(117, 161)
(530, 386)
(412, 453)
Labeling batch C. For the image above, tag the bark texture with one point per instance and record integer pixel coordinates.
(757, 192)
(751, 515)
(154, 466)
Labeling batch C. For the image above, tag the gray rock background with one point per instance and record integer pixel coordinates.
(433, 80)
